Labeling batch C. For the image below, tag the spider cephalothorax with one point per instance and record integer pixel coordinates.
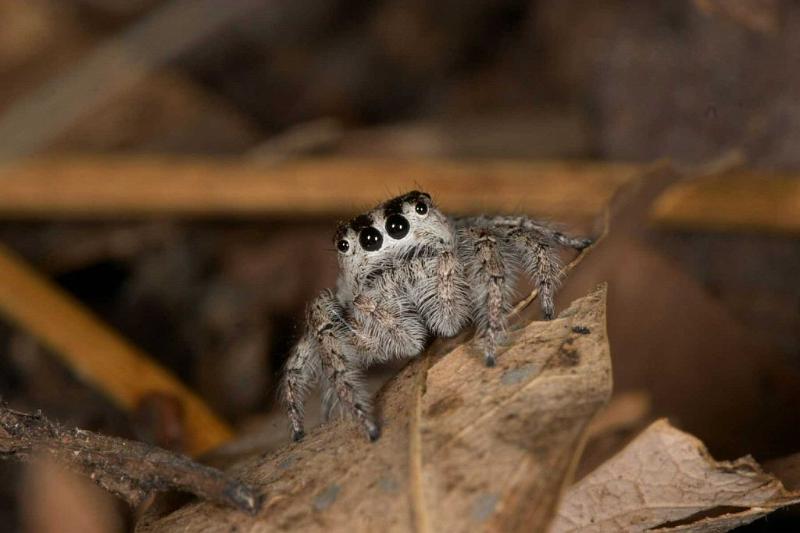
(408, 272)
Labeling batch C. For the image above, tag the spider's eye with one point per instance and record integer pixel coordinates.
(421, 208)
(397, 226)
(343, 246)
(370, 239)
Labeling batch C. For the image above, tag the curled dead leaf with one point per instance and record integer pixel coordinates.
(665, 480)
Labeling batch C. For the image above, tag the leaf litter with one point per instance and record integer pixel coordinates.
(665, 480)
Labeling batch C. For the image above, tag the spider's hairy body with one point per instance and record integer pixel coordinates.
(408, 272)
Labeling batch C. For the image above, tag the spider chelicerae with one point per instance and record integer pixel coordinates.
(408, 272)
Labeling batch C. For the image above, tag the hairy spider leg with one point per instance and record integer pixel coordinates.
(329, 339)
(535, 243)
(490, 271)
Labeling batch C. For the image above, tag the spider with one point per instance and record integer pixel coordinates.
(408, 272)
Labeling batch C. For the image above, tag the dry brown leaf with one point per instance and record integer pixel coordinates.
(463, 446)
(627, 414)
(665, 480)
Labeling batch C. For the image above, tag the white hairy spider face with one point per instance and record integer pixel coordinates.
(401, 227)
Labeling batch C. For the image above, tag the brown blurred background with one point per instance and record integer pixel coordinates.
(704, 315)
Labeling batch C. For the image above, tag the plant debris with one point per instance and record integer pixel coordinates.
(665, 480)
(463, 447)
(130, 469)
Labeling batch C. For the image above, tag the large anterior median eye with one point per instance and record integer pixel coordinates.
(397, 226)
(370, 239)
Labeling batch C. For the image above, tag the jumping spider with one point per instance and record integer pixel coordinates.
(407, 272)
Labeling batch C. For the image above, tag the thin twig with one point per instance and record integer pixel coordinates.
(118, 186)
(97, 354)
(127, 468)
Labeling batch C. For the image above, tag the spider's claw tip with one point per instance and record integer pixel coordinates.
(490, 361)
(374, 433)
(584, 243)
(298, 435)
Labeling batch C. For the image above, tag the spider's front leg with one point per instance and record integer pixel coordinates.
(300, 373)
(326, 347)
(486, 257)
